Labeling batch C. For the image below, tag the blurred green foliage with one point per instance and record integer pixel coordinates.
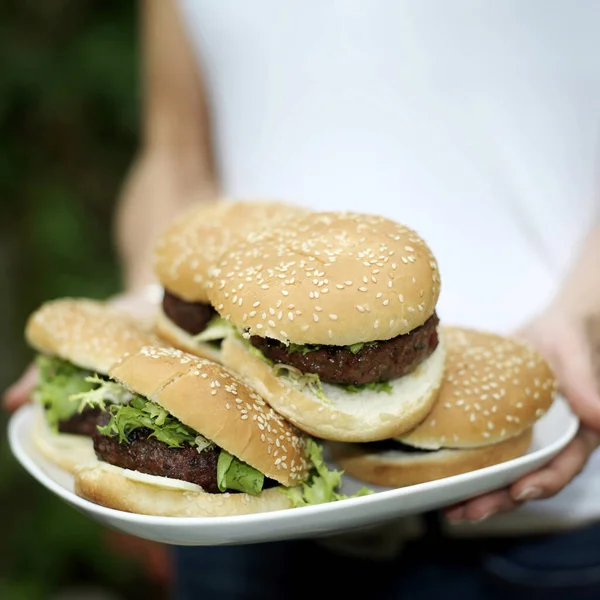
(68, 128)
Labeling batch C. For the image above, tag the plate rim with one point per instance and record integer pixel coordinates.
(18, 419)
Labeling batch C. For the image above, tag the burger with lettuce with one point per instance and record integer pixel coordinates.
(335, 323)
(195, 440)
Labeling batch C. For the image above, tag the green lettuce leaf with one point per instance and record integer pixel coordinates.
(377, 386)
(104, 392)
(140, 412)
(233, 474)
(216, 330)
(356, 348)
(58, 382)
(303, 348)
(323, 483)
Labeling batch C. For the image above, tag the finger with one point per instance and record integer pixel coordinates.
(455, 513)
(20, 392)
(559, 472)
(575, 372)
(481, 508)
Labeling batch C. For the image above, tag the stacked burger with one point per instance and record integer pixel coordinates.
(281, 331)
(149, 428)
(335, 324)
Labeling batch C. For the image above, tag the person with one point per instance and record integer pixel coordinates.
(474, 123)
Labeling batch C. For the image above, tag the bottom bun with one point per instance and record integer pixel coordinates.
(68, 451)
(395, 468)
(169, 332)
(135, 492)
(365, 416)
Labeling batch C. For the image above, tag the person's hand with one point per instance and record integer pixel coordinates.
(19, 393)
(563, 339)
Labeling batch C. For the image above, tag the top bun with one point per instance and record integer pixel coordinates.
(494, 388)
(194, 241)
(217, 404)
(334, 278)
(90, 334)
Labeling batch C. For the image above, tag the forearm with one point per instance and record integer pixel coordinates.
(580, 291)
(160, 185)
(174, 167)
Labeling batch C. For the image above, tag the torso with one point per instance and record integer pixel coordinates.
(476, 123)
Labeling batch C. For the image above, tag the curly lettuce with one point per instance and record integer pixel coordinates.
(216, 330)
(376, 386)
(142, 413)
(58, 382)
(308, 348)
(104, 392)
(311, 381)
(323, 483)
(232, 473)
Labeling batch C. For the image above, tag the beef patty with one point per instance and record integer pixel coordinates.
(376, 362)
(83, 423)
(148, 455)
(391, 445)
(192, 317)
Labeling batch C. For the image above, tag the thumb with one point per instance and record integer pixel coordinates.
(20, 392)
(577, 379)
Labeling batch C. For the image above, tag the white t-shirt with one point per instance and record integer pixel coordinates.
(474, 122)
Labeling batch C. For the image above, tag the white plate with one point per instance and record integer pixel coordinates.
(552, 433)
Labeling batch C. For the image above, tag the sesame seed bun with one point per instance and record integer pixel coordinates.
(334, 278)
(178, 338)
(360, 417)
(217, 404)
(395, 468)
(494, 388)
(88, 333)
(191, 245)
(134, 492)
(65, 450)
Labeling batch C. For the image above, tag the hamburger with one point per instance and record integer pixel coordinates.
(494, 391)
(76, 341)
(197, 441)
(184, 255)
(335, 324)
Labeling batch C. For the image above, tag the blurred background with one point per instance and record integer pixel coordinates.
(68, 122)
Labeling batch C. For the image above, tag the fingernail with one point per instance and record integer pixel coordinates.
(484, 517)
(530, 493)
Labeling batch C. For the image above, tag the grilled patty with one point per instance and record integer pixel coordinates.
(374, 363)
(192, 317)
(393, 445)
(83, 423)
(148, 455)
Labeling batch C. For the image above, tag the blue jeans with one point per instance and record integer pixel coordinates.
(554, 567)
